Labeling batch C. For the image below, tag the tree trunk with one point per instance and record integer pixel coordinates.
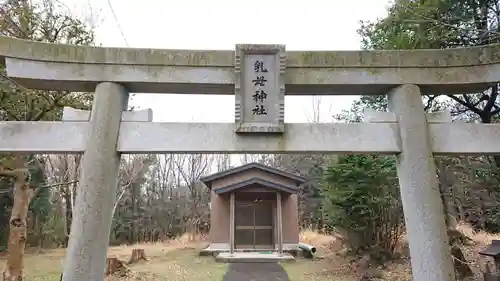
(17, 228)
(134, 230)
(444, 183)
(487, 119)
(457, 238)
(69, 214)
(462, 269)
(73, 166)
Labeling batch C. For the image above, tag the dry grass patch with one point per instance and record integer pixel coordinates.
(312, 237)
(335, 266)
(178, 260)
(480, 239)
(328, 266)
(172, 261)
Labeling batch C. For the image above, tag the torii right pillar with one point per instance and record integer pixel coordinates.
(431, 258)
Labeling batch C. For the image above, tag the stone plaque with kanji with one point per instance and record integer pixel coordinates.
(260, 88)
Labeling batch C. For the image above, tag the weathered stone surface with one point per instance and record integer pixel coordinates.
(144, 137)
(143, 115)
(30, 50)
(205, 137)
(139, 137)
(373, 116)
(260, 88)
(439, 117)
(91, 223)
(431, 258)
(57, 137)
(81, 68)
(459, 57)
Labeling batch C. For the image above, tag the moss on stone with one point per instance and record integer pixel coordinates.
(11, 47)
(373, 71)
(17, 48)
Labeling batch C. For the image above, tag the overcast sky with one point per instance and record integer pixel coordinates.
(220, 24)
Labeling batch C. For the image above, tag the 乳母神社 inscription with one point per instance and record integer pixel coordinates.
(260, 88)
(259, 82)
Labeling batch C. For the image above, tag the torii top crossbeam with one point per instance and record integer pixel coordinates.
(80, 68)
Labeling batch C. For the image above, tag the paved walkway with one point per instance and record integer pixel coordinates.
(255, 272)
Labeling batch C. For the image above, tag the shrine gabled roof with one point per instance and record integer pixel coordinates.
(259, 181)
(240, 169)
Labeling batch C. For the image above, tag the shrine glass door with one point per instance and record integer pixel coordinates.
(254, 225)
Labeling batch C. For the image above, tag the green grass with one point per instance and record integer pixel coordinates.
(166, 263)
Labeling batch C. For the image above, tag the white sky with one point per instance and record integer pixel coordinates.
(220, 24)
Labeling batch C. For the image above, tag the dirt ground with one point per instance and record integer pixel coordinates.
(168, 261)
(178, 260)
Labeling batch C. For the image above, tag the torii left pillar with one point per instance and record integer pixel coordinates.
(96, 193)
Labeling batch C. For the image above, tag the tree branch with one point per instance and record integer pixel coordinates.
(465, 104)
(58, 184)
(12, 173)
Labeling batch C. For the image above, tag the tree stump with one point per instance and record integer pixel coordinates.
(137, 256)
(114, 265)
(462, 268)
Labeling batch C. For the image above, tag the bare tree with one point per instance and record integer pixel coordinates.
(191, 168)
(249, 158)
(132, 167)
(316, 109)
(223, 162)
(63, 172)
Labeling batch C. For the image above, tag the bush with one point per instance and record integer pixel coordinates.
(362, 202)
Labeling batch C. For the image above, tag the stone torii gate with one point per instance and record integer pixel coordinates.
(259, 76)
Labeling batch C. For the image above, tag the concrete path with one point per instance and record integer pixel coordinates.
(255, 272)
